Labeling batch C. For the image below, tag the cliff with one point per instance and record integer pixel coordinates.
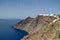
(40, 28)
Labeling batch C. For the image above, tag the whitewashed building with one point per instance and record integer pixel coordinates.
(54, 15)
(44, 14)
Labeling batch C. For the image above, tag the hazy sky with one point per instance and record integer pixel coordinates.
(23, 8)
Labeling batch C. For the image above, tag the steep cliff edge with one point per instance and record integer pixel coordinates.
(40, 28)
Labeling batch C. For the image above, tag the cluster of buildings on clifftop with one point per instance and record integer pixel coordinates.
(54, 15)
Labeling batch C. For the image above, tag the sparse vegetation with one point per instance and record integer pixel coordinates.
(40, 28)
(58, 23)
(57, 36)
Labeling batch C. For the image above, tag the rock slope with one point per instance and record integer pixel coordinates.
(40, 28)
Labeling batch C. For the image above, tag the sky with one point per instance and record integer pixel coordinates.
(12, 9)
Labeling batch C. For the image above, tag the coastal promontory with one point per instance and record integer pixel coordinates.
(42, 27)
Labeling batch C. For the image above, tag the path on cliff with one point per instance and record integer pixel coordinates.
(48, 25)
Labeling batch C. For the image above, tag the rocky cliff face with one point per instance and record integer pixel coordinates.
(39, 28)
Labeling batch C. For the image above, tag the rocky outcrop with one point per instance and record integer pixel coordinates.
(39, 28)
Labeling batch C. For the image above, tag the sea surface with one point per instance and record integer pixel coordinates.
(7, 32)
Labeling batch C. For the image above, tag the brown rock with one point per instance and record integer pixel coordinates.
(39, 28)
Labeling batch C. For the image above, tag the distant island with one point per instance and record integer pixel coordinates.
(42, 27)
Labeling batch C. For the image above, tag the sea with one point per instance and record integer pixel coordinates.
(8, 32)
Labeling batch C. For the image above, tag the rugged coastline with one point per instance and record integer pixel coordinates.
(42, 27)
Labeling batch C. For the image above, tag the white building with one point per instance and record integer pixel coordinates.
(48, 15)
(44, 14)
(51, 15)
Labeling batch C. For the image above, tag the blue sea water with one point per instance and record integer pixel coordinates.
(7, 32)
